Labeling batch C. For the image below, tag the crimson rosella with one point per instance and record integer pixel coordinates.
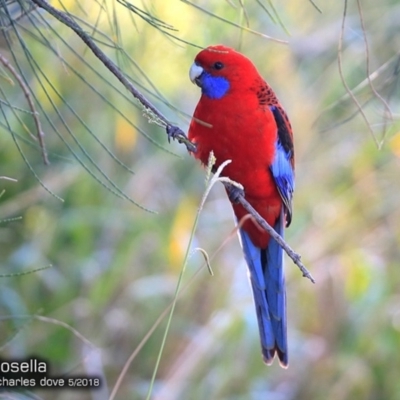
(239, 118)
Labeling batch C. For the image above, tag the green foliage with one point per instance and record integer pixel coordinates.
(111, 268)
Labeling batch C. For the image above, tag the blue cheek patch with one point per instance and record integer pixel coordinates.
(214, 87)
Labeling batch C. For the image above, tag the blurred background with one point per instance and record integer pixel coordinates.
(110, 218)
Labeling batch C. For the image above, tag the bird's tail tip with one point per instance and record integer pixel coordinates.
(269, 356)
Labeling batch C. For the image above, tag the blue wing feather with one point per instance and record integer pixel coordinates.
(283, 174)
(282, 166)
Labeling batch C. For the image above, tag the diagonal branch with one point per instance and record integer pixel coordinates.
(296, 258)
(154, 115)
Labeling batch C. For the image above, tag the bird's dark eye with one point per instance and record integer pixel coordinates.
(218, 65)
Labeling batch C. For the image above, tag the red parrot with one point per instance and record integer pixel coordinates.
(239, 118)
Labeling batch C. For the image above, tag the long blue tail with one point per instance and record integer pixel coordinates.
(268, 284)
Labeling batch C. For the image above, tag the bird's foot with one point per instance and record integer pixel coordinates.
(234, 193)
(174, 132)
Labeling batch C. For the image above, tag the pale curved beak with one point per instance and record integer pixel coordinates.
(194, 73)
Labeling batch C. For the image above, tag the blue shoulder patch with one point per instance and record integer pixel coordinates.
(214, 87)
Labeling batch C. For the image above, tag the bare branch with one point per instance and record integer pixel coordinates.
(6, 178)
(27, 93)
(233, 23)
(296, 258)
(346, 86)
(383, 101)
(149, 108)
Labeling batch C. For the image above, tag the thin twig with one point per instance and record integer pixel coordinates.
(6, 178)
(346, 86)
(383, 101)
(53, 321)
(156, 116)
(205, 11)
(27, 93)
(315, 6)
(150, 109)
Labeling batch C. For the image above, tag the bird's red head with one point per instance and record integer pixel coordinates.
(220, 69)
